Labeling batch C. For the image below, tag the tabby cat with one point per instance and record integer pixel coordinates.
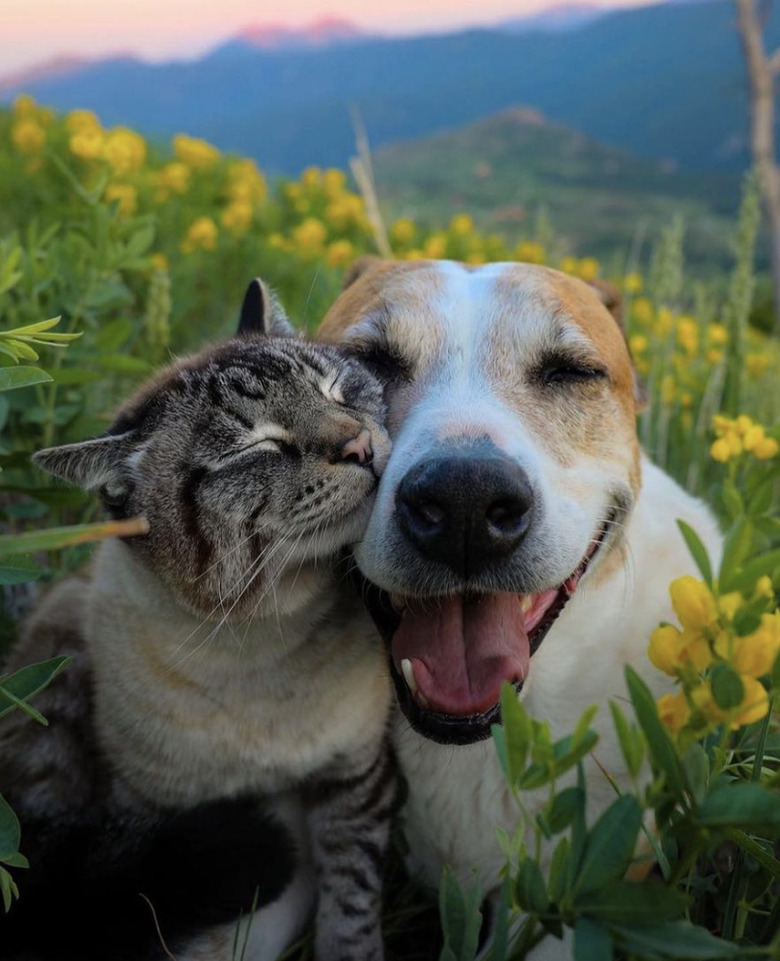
(226, 678)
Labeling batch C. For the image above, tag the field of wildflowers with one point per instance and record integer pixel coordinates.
(116, 252)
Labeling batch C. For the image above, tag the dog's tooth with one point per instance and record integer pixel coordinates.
(526, 603)
(411, 680)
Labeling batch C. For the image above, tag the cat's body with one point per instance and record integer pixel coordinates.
(226, 655)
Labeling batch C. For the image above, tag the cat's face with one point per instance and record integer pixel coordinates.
(248, 460)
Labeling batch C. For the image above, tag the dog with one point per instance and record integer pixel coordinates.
(519, 534)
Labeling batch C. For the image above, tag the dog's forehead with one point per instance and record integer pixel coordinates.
(429, 309)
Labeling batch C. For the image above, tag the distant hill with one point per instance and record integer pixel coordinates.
(665, 82)
(505, 169)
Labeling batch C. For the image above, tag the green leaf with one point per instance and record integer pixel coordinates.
(696, 765)
(675, 940)
(517, 730)
(10, 832)
(662, 751)
(18, 570)
(17, 860)
(565, 756)
(530, 890)
(461, 918)
(610, 845)
(745, 579)
(27, 682)
(37, 328)
(631, 742)
(12, 378)
(120, 364)
(744, 805)
(697, 549)
(762, 500)
(624, 902)
(559, 863)
(592, 941)
(8, 888)
(58, 537)
(727, 687)
(111, 336)
(736, 548)
(75, 376)
(563, 809)
(499, 942)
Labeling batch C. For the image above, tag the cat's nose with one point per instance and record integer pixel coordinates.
(359, 449)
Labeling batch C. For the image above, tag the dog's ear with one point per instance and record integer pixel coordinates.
(262, 314)
(612, 299)
(360, 267)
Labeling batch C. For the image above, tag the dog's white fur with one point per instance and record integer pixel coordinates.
(469, 333)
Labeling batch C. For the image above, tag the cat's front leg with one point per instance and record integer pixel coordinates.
(351, 808)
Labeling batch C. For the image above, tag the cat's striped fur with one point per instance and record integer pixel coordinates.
(222, 657)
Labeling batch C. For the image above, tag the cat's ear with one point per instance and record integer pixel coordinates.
(92, 463)
(262, 314)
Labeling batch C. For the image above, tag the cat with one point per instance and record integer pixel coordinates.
(227, 681)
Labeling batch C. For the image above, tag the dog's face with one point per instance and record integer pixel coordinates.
(514, 466)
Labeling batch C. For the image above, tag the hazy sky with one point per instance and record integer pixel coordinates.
(33, 30)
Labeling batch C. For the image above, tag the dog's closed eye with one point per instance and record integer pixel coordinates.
(562, 369)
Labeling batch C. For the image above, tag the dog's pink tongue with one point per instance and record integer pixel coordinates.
(462, 650)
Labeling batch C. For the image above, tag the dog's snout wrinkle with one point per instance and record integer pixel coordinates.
(463, 511)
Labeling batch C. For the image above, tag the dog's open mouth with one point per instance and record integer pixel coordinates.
(451, 655)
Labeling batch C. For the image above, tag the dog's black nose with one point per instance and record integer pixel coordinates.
(465, 510)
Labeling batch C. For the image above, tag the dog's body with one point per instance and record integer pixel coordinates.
(515, 464)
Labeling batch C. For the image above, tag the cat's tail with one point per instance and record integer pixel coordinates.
(134, 887)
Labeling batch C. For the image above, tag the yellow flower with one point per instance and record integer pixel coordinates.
(87, 145)
(569, 265)
(25, 107)
(340, 253)
(717, 335)
(642, 309)
(687, 332)
(345, 211)
(729, 604)
(28, 136)
(415, 254)
(752, 436)
(126, 196)
(475, 257)
(46, 116)
(160, 262)
(757, 365)
(435, 246)
(674, 711)
(246, 183)
(202, 235)
(668, 389)
(461, 225)
(693, 603)
(663, 321)
(720, 450)
(670, 650)
(334, 183)
(754, 706)
(766, 448)
(311, 178)
(764, 587)
(637, 344)
(81, 121)
(403, 231)
(755, 654)
(632, 283)
(176, 177)
(714, 356)
(529, 252)
(196, 153)
(125, 151)
(589, 268)
(237, 217)
(743, 424)
(310, 236)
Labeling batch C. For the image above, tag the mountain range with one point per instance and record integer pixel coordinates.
(665, 82)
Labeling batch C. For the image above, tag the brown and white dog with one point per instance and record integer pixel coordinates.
(519, 533)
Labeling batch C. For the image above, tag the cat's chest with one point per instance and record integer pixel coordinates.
(239, 724)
